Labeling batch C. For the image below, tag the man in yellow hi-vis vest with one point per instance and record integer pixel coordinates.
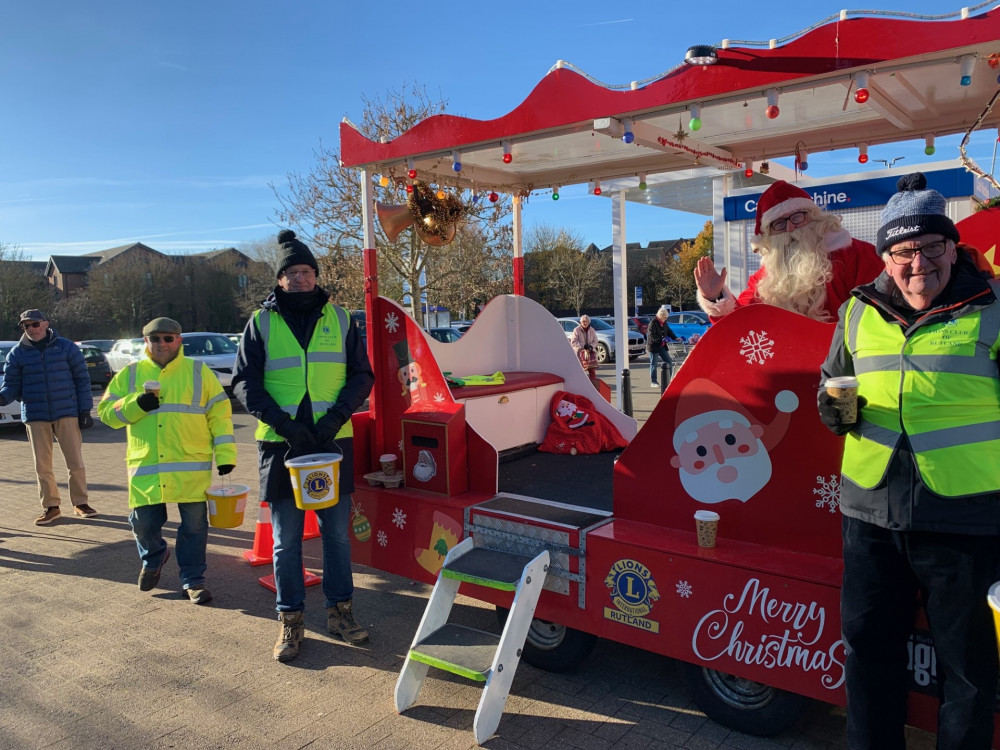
(302, 370)
(920, 492)
(176, 415)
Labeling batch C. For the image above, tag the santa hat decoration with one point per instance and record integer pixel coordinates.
(704, 402)
(780, 199)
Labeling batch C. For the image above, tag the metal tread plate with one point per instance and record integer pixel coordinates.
(488, 567)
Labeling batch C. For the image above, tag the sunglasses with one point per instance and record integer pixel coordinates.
(26, 326)
(158, 339)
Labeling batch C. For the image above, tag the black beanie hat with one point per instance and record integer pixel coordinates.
(913, 211)
(294, 252)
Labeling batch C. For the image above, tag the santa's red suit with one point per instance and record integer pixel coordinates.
(855, 263)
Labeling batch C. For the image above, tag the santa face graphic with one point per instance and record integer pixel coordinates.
(724, 459)
(565, 408)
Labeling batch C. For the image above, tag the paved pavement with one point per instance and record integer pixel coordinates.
(89, 661)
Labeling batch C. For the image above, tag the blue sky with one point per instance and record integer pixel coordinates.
(166, 122)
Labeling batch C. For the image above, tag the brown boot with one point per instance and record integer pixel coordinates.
(292, 631)
(340, 621)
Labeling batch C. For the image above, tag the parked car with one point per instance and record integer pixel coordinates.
(11, 413)
(236, 338)
(687, 324)
(97, 366)
(360, 318)
(103, 344)
(630, 322)
(125, 352)
(606, 339)
(445, 335)
(214, 349)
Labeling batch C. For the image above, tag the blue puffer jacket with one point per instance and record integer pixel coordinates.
(49, 378)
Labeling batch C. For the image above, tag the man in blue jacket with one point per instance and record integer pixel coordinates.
(48, 374)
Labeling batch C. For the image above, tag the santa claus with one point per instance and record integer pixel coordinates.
(809, 263)
(722, 450)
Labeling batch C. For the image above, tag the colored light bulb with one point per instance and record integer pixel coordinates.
(861, 95)
(412, 174)
(862, 158)
(508, 158)
(772, 111)
(694, 123)
(494, 197)
(629, 136)
(383, 181)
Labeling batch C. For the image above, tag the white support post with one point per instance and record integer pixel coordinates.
(620, 267)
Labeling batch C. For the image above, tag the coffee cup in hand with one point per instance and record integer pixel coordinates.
(844, 391)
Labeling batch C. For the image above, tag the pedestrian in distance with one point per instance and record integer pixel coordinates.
(919, 492)
(48, 375)
(656, 334)
(302, 371)
(177, 416)
(584, 343)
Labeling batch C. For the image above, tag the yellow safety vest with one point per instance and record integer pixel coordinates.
(169, 455)
(290, 372)
(940, 386)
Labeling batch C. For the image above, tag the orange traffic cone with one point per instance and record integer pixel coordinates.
(311, 528)
(263, 538)
(311, 579)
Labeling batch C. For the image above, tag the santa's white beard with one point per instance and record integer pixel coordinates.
(752, 473)
(798, 267)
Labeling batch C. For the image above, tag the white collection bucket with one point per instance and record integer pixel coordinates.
(315, 479)
(226, 505)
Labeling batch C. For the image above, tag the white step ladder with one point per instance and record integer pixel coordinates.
(469, 652)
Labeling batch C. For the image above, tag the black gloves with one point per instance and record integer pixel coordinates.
(589, 348)
(297, 434)
(148, 401)
(225, 469)
(829, 414)
(3, 401)
(328, 426)
(86, 421)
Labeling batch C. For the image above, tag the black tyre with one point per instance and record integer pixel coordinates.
(553, 647)
(744, 705)
(603, 355)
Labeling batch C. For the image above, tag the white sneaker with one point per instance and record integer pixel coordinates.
(654, 385)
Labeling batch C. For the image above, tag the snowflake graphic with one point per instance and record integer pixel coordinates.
(399, 518)
(382, 539)
(684, 589)
(756, 347)
(827, 492)
(439, 397)
(399, 445)
(391, 322)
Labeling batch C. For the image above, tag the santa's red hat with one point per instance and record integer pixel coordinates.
(779, 199)
(703, 402)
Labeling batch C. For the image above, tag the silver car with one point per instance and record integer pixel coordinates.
(216, 350)
(606, 338)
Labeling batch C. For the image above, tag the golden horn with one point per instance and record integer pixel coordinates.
(394, 219)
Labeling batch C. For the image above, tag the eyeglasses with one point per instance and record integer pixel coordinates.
(799, 217)
(298, 274)
(158, 339)
(930, 250)
(26, 326)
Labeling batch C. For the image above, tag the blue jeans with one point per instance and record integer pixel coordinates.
(883, 571)
(192, 538)
(663, 356)
(287, 522)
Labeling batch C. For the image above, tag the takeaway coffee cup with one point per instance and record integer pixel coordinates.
(707, 525)
(152, 386)
(845, 397)
(388, 461)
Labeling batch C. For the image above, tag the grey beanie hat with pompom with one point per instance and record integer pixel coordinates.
(294, 252)
(911, 212)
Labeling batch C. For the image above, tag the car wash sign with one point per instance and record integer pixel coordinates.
(838, 196)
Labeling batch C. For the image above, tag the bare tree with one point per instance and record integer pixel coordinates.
(558, 271)
(324, 206)
(21, 288)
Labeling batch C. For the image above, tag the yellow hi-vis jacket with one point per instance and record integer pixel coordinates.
(941, 386)
(170, 449)
(290, 372)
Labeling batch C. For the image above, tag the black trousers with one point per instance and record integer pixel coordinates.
(883, 572)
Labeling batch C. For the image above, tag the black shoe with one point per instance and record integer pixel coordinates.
(148, 578)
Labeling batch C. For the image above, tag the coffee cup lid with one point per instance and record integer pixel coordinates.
(844, 381)
(387, 457)
(706, 515)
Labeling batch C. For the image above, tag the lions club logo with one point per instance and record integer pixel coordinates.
(317, 484)
(633, 592)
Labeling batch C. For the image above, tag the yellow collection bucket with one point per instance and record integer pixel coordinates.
(226, 505)
(315, 480)
(994, 599)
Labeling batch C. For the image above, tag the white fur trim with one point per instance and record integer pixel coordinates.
(790, 206)
(719, 308)
(687, 431)
(837, 240)
(786, 401)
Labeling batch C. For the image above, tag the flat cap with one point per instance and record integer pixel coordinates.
(32, 314)
(161, 325)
